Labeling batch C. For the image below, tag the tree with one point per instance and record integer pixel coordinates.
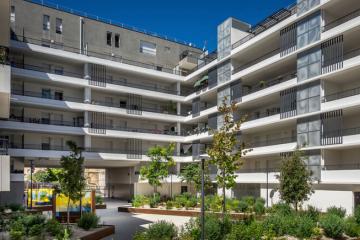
(49, 175)
(295, 182)
(158, 168)
(224, 152)
(191, 174)
(71, 179)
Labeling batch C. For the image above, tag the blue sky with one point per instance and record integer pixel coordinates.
(189, 20)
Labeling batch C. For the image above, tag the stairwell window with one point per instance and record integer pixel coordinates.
(108, 38)
(148, 48)
(46, 22)
(59, 26)
(117, 40)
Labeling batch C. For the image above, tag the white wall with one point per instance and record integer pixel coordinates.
(4, 173)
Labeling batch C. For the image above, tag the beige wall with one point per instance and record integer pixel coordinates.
(5, 22)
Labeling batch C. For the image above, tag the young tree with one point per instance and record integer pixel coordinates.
(49, 175)
(191, 174)
(295, 182)
(225, 153)
(71, 178)
(158, 168)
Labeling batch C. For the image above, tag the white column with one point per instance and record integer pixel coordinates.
(87, 74)
(86, 119)
(87, 95)
(87, 141)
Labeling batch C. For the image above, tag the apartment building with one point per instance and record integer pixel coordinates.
(117, 91)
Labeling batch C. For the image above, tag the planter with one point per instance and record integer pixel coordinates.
(99, 233)
(181, 212)
(100, 206)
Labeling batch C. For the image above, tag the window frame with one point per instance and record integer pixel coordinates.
(108, 38)
(59, 27)
(46, 24)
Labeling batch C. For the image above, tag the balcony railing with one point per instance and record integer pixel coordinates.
(257, 115)
(340, 95)
(341, 20)
(120, 82)
(140, 130)
(271, 142)
(267, 23)
(257, 60)
(90, 53)
(45, 121)
(4, 145)
(268, 83)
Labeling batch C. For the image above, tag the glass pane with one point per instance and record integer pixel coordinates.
(314, 70)
(302, 127)
(302, 40)
(314, 22)
(314, 125)
(302, 139)
(314, 104)
(314, 91)
(314, 35)
(314, 138)
(302, 94)
(302, 107)
(302, 74)
(302, 61)
(302, 28)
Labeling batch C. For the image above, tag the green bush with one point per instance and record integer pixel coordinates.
(243, 206)
(15, 207)
(88, 221)
(338, 211)
(304, 227)
(250, 200)
(252, 231)
(139, 201)
(169, 204)
(232, 204)
(191, 230)
(65, 234)
(259, 208)
(36, 230)
(161, 230)
(261, 200)
(357, 214)
(333, 225)
(54, 227)
(281, 208)
(31, 220)
(99, 199)
(16, 235)
(351, 228)
(312, 212)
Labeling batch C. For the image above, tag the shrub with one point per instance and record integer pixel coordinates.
(99, 199)
(36, 230)
(31, 220)
(88, 221)
(169, 205)
(65, 234)
(333, 225)
(233, 204)
(357, 214)
(351, 228)
(253, 231)
(190, 231)
(243, 206)
(259, 208)
(161, 230)
(15, 207)
(250, 200)
(312, 212)
(54, 227)
(261, 200)
(139, 201)
(338, 211)
(304, 227)
(215, 203)
(16, 235)
(281, 208)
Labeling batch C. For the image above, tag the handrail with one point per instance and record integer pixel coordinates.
(257, 60)
(4, 146)
(107, 21)
(341, 94)
(341, 20)
(271, 142)
(44, 121)
(258, 115)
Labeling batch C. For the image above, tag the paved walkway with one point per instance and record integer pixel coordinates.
(126, 224)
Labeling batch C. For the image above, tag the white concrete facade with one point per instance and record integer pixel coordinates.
(58, 94)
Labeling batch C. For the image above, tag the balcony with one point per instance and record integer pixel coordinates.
(258, 115)
(4, 145)
(189, 60)
(45, 121)
(270, 142)
(340, 95)
(341, 20)
(120, 82)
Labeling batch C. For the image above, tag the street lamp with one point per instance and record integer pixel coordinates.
(203, 157)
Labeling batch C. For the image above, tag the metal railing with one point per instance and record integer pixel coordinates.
(120, 82)
(107, 21)
(268, 83)
(340, 95)
(89, 52)
(257, 60)
(46, 96)
(45, 121)
(271, 142)
(341, 20)
(257, 115)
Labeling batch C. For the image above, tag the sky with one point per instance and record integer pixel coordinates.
(192, 21)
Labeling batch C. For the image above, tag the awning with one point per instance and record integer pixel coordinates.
(201, 81)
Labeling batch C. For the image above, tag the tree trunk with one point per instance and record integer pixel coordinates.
(224, 199)
(68, 212)
(296, 206)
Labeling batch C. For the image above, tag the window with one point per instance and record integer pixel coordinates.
(46, 22)
(58, 95)
(108, 38)
(308, 98)
(305, 5)
(117, 40)
(308, 30)
(309, 64)
(309, 132)
(59, 70)
(12, 14)
(148, 47)
(46, 93)
(59, 26)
